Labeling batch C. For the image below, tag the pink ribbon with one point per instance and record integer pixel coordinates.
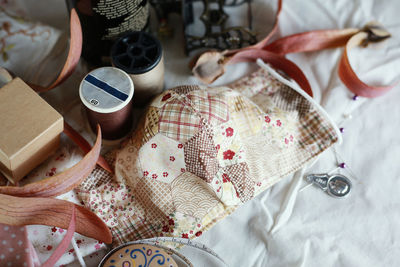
(273, 53)
(63, 246)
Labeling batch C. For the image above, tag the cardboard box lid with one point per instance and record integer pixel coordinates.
(25, 118)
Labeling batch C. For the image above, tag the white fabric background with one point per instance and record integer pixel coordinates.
(285, 227)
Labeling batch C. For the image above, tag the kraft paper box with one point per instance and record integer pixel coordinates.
(30, 129)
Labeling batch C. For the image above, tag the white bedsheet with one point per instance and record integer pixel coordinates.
(285, 226)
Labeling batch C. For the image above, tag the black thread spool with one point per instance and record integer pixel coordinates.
(103, 21)
(140, 55)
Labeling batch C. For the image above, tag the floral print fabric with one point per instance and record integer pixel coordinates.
(200, 152)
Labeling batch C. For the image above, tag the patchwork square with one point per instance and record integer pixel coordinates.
(161, 159)
(153, 199)
(184, 89)
(256, 82)
(315, 134)
(213, 108)
(151, 123)
(248, 122)
(178, 121)
(201, 155)
(192, 196)
(163, 98)
(228, 144)
(134, 228)
(128, 169)
(238, 175)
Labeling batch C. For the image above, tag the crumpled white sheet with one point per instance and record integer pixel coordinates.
(288, 226)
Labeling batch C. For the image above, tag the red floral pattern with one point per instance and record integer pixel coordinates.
(228, 154)
(229, 132)
(185, 235)
(199, 233)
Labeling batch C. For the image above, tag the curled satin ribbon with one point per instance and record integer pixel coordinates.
(32, 204)
(74, 54)
(63, 246)
(210, 65)
(347, 74)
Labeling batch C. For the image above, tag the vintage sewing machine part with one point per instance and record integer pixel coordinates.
(214, 20)
(335, 185)
(140, 55)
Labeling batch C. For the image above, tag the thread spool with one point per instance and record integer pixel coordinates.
(107, 94)
(103, 21)
(140, 55)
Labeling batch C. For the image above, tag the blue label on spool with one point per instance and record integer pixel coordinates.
(105, 87)
(106, 90)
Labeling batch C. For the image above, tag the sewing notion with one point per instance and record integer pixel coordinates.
(140, 55)
(107, 95)
(104, 20)
(335, 185)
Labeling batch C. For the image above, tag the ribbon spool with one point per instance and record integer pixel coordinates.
(140, 55)
(107, 94)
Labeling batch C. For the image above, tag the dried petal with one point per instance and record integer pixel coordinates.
(210, 66)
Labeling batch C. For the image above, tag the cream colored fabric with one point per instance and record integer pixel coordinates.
(199, 153)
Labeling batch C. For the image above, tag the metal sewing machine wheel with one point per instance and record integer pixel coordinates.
(216, 35)
(335, 185)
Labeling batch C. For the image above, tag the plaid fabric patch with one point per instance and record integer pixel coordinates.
(178, 121)
(151, 124)
(153, 199)
(201, 155)
(213, 108)
(315, 134)
(184, 89)
(239, 176)
(289, 100)
(134, 228)
(98, 177)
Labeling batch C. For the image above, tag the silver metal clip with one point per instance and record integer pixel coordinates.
(335, 185)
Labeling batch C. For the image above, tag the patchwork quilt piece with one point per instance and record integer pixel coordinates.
(200, 152)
